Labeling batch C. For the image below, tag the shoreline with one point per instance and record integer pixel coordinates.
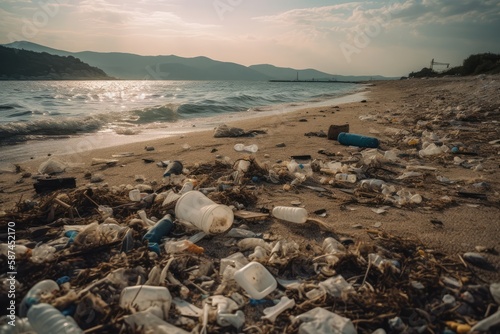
(412, 105)
(108, 139)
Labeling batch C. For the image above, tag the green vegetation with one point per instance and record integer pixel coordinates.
(18, 64)
(482, 63)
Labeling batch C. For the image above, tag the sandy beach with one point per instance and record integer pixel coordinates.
(394, 111)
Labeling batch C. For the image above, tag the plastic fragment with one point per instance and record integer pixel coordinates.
(271, 313)
(321, 321)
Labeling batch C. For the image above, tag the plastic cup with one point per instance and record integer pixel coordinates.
(203, 213)
(134, 195)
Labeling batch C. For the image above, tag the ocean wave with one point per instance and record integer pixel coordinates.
(165, 113)
(9, 106)
(20, 113)
(51, 127)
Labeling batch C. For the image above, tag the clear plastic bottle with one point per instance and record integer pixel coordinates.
(294, 167)
(344, 177)
(291, 214)
(332, 246)
(372, 184)
(33, 295)
(45, 318)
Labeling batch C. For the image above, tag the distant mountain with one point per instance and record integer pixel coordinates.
(30, 65)
(132, 66)
(286, 73)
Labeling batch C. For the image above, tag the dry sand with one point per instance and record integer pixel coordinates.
(458, 227)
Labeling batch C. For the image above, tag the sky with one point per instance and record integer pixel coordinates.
(390, 38)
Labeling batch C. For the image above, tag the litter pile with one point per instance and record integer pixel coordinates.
(197, 254)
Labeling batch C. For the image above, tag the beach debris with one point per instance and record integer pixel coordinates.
(253, 148)
(319, 133)
(107, 162)
(205, 242)
(47, 184)
(335, 130)
(320, 321)
(52, 166)
(203, 213)
(225, 131)
(271, 313)
(173, 168)
(353, 139)
(149, 148)
(290, 214)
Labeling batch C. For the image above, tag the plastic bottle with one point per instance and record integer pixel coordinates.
(372, 184)
(344, 177)
(203, 213)
(45, 318)
(160, 229)
(33, 295)
(352, 139)
(291, 214)
(332, 246)
(294, 167)
(172, 247)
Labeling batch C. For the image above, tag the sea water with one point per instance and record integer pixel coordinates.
(60, 117)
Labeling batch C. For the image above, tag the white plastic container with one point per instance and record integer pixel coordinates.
(145, 296)
(45, 318)
(291, 214)
(202, 212)
(256, 280)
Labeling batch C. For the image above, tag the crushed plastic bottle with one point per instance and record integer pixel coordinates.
(249, 148)
(343, 177)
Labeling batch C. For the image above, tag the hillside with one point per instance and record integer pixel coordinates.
(29, 65)
(482, 63)
(171, 67)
